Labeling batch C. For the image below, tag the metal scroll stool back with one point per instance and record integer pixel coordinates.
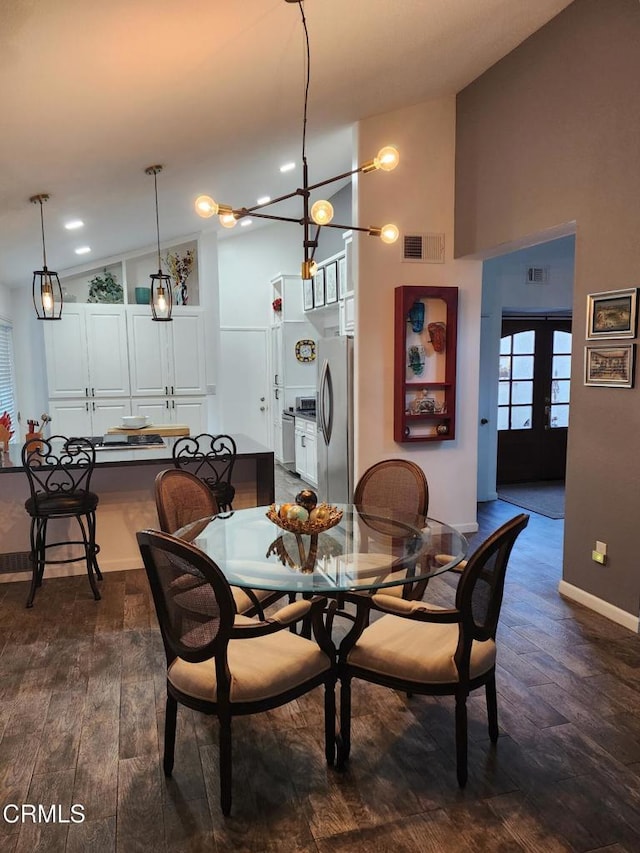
(211, 458)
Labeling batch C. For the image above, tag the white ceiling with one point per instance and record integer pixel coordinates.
(92, 92)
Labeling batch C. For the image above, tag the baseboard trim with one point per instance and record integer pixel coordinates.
(609, 611)
(71, 570)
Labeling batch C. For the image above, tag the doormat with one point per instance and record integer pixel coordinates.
(545, 498)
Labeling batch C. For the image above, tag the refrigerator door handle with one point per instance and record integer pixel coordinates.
(326, 396)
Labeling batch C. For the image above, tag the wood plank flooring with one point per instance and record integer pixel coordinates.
(81, 721)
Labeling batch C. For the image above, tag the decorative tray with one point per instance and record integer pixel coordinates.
(333, 517)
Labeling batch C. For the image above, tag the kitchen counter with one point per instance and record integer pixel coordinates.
(124, 481)
(305, 416)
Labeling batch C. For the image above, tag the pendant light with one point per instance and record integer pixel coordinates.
(46, 290)
(161, 293)
(319, 214)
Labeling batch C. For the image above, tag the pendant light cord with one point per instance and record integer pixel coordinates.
(307, 78)
(155, 185)
(44, 250)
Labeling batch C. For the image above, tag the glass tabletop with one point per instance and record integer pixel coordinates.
(368, 550)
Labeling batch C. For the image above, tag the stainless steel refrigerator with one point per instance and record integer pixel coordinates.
(334, 412)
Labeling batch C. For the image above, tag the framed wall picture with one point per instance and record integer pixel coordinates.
(342, 276)
(612, 314)
(610, 366)
(318, 288)
(307, 294)
(331, 283)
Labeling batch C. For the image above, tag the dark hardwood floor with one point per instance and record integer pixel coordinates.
(81, 721)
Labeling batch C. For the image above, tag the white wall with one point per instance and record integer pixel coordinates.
(419, 197)
(504, 289)
(29, 357)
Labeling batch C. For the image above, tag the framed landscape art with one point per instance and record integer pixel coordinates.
(612, 314)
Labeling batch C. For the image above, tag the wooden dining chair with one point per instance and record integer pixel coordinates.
(181, 499)
(418, 648)
(229, 665)
(399, 489)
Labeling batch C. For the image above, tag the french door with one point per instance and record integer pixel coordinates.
(533, 399)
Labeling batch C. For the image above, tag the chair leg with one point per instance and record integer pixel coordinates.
(492, 707)
(225, 764)
(330, 721)
(344, 740)
(35, 561)
(89, 548)
(92, 542)
(461, 738)
(171, 714)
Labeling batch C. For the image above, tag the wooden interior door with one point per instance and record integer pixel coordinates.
(533, 399)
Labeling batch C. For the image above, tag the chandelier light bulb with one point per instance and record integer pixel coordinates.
(228, 220)
(387, 158)
(389, 233)
(47, 297)
(162, 303)
(313, 267)
(322, 212)
(206, 206)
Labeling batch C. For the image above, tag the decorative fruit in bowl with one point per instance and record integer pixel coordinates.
(307, 499)
(297, 519)
(320, 513)
(297, 513)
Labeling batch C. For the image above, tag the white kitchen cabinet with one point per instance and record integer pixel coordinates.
(347, 314)
(191, 411)
(86, 353)
(86, 417)
(288, 288)
(306, 450)
(167, 358)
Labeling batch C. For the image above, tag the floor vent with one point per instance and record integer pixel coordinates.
(537, 275)
(18, 561)
(423, 248)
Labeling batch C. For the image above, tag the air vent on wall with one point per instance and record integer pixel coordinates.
(537, 275)
(423, 248)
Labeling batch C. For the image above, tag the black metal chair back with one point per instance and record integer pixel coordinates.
(58, 466)
(211, 458)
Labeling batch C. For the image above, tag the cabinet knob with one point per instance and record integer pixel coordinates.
(262, 408)
(262, 399)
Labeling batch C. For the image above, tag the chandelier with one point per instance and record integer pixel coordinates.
(319, 214)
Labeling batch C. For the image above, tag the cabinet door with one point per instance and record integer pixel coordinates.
(347, 315)
(107, 349)
(277, 377)
(186, 353)
(148, 360)
(155, 408)
(66, 354)
(312, 454)
(301, 451)
(108, 413)
(190, 411)
(70, 417)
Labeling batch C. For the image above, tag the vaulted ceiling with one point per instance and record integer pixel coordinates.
(93, 92)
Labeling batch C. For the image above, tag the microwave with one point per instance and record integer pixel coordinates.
(305, 404)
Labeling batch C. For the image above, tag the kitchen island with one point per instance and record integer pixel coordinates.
(124, 481)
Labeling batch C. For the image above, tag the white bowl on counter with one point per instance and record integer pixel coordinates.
(134, 421)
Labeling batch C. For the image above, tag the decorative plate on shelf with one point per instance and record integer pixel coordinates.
(333, 516)
(306, 350)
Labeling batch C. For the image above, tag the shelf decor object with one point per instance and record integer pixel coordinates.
(331, 283)
(180, 267)
(46, 290)
(318, 214)
(612, 314)
(105, 288)
(426, 320)
(161, 290)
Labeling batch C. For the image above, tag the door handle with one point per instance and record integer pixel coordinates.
(94, 406)
(547, 417)
(303, 442)
(484, 421)
(262, 399)
(262, 408)
(277, 393)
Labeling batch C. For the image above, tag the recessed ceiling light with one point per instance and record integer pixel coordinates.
(264, 199)
(82, 250)
(245, 222)
(73, 224)
(287, 167)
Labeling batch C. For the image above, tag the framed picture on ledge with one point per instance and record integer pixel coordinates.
(331, 283)
(307, 294)
(612, 314)
(318, 288)
(609, 366)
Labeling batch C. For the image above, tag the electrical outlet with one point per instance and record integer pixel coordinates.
(599, 557)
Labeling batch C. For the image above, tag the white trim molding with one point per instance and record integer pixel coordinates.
(609, 611)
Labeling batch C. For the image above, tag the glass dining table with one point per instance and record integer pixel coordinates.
(366, 551)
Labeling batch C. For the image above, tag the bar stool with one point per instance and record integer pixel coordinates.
(59, 471)
(211, 458)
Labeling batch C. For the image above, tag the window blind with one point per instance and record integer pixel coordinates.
(7, 382)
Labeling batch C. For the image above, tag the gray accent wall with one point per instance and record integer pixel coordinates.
(550, 135)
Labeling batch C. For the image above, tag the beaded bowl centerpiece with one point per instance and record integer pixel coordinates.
(322, 517)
